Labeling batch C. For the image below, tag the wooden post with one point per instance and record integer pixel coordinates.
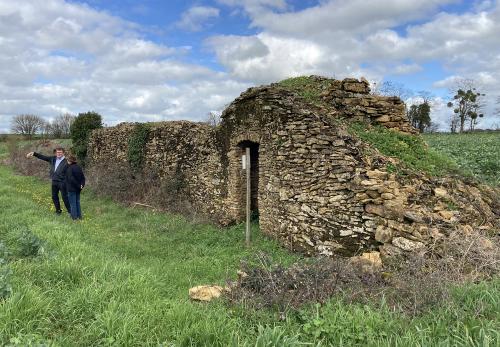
(249, 193)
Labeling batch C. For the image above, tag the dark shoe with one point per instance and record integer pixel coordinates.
(58, 212)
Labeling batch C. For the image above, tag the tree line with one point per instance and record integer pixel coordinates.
(78, 128)
(30, 125)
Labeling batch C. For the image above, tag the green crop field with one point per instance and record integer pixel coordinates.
(477, 153)
(121, 278)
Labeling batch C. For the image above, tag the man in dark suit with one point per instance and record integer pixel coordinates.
(58, 167)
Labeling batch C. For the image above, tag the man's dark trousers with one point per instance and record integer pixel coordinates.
(56, 187)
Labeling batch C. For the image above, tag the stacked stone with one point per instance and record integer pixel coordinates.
(353, 99)
(187, 151)
(110, 143)
(306, 196)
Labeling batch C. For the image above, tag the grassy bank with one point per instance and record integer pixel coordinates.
(121, 278)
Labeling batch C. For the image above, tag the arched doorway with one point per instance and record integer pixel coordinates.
(254, 177)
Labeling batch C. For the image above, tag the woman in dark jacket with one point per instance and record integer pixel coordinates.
(75, 181)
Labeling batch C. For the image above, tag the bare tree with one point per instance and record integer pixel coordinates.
(432, 128)
(27, 124)
(61, 125)
(214, 118)
(454, 123)
(45, 130)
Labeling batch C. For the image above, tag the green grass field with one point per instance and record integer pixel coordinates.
(121, 278)
(477, 153)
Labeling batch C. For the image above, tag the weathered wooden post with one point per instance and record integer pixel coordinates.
(249, 192)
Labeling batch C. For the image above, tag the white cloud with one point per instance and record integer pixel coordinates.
(197, 18)
(266, 58)
(58, 56)
(355, 16)
(339, 38)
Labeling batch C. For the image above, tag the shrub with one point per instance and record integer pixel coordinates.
(136, 146)
(81, 128)
(118, 181)
(267, 284)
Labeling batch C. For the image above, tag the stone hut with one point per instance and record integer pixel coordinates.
(315, 186)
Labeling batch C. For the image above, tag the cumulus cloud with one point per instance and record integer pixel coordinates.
(355, 16)
(341, 38)
(61, 57)
(58, 56)
(197, 18)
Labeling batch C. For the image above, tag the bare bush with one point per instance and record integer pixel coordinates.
(60, 127)
(30, 167)
(118, 181)
(412, 284)
(265, 284)
(213, 118)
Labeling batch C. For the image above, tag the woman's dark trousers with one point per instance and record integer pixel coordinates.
(74, 201)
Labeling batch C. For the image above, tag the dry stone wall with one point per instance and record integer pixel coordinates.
(317, 188)
(180, 152)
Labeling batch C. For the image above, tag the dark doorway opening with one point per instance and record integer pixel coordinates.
(254, 176)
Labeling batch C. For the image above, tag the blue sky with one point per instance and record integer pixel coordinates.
(164, 60)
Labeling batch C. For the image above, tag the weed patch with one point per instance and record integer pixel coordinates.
(411, 285)
(4, 253)
(29, 245)
(309, 88)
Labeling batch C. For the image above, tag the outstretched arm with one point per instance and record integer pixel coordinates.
(39, 156)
